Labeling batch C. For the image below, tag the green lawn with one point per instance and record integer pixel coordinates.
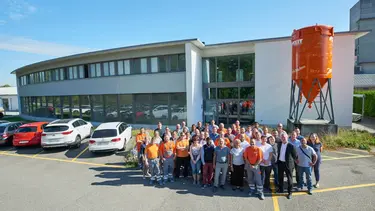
(15, 119)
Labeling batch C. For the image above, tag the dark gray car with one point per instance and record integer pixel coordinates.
(7, 131)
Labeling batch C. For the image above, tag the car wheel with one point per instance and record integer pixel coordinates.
(1, 115)
(75, 113)
(78, 142)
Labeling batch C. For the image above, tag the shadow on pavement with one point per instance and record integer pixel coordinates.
(121, 177)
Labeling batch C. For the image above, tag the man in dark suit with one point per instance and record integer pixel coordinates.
(285, 162)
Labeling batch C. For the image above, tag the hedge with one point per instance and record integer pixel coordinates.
(369, 102)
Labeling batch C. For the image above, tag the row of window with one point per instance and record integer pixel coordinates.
(165, 63)
(169, 108)
(228, 68)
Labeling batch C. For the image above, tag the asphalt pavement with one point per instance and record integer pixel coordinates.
(75, 179)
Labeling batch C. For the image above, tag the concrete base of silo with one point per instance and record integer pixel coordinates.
(308, 126)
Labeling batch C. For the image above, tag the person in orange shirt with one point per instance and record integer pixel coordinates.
(226, 141)
(221, 128)
(182, 156)
(140, 138)
(253, 156)
(152, 161)
(167, 155)
(243, 132)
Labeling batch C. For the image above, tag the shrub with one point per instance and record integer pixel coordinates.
(350, 139)
(369, 108)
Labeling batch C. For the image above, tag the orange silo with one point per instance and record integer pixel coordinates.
(312, 59)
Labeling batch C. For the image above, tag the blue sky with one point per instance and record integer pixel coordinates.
(36, 30)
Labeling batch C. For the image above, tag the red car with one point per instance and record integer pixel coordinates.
(29, 134)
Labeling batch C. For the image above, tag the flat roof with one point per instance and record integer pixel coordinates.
(195, 41)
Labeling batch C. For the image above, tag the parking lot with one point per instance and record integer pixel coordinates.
(75, 179)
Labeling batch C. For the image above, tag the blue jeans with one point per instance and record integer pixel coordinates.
(196, 168)
(307, 171)
(275, 174)
(317, 169)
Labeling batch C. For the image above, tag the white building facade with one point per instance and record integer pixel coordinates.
(176, 81)
(10, 98)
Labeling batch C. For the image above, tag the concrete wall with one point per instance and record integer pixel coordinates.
(194, 97)
(273, 80)
(143, 83)
(273, 65)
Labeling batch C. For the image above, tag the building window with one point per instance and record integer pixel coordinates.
(112, 70)
(154, 65)
(111, 112)
(144, 65)
(136, 66)
(163, 62)
(98, 69)
(126, 108)
(160, 109)
(120, 67)
(98, 108)
(178, 108)
(174, 62)
(85, 107)
(48, 76)
(75, 107)
(62, 74)
(209, 70)
(55, 75)
(92, 71)
(105, 69)
(181, 62)
(142, 104)
(73, 73)
(81, 71)
(41, 77)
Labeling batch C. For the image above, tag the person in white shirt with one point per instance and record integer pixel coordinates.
(237, 165)
(244, 144)
(258, 139)
(266, 164)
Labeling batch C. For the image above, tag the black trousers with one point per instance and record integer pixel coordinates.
(283, 168)
(266, 172)
(236, 178)
(182, 161)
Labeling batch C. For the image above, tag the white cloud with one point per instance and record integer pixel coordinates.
(26, 45)
(19, 9)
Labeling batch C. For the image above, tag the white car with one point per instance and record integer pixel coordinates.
(110, 136)
(66, 133)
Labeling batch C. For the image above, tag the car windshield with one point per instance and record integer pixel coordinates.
(104, 133)
(27, 129)
(56, 128)
(2, 129)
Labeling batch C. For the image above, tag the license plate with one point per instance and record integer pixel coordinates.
(24, 142)
(103, 143)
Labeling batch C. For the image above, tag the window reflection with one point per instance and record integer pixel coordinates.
(111, 108)
(97, 108)
(126, 108)
(209, 70)
(143, 108)
(178, 107)
(67, 112)
(75, 107)
(160, 108)
(85, 107)
(57, 104)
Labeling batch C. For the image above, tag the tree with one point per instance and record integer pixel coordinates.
(6, 85)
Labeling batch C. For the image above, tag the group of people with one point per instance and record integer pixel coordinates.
(212, 152)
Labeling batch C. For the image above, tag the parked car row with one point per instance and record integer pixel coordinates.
(66, 133)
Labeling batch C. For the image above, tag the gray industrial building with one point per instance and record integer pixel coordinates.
(362, 17)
